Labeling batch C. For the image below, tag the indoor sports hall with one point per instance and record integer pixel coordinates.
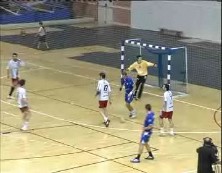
(66, 131)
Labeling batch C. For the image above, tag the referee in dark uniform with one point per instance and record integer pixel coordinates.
(207, 156)
(141, 66)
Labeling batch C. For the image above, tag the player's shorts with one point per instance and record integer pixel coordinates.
(103, 103)
(42, 38)
(24, 109)
(145, 137)
(128, 99)
(15, 81)
(168, 115)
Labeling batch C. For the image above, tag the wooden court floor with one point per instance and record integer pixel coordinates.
(67, 134)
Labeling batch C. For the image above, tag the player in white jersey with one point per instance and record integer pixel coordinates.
(104, 94)
(167, 111)
(13, 71)
(42, 36)
(23, 104)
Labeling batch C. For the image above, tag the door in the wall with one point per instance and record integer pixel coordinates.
(105, 12)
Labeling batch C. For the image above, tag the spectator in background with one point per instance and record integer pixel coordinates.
(42, 36)
(207, 156)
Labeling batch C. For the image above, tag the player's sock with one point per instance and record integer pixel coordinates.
(25, 125)
(104, 117)
(161, 130)
(133, 112)
(138, 156)
(171, 131)
(11, 91)
(150, 154)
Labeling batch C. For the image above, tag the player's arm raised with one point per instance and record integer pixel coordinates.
(131, 67)
(150, 64)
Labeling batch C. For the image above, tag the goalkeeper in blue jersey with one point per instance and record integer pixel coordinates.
(128, 83)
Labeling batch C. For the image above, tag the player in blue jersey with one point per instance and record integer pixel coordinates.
(128, 83)
(146, 134)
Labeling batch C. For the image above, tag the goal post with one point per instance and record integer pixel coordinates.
(171, 63)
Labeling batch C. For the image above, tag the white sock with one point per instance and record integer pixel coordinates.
(25, 123)
(133, 112)
(104, 117)
(161, 130)
(171, 130)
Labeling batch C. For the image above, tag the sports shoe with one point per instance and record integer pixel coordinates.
(10, 97)
(150, 158)
(25, 126)
(132, 114)
(172, 133)
(135, 160)
(162, 133)
(107, 123)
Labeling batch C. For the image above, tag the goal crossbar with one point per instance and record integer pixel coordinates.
(160, 50)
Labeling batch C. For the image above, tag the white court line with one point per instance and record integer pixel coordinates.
(24, 71)
(90, 125)
(10, 114)
(188, 103)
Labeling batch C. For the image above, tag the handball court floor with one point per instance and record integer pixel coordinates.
(66, 131)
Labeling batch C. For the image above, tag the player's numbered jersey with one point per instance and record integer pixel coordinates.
(21, 94)
(13, 67)
(104, 89)
(168, 98)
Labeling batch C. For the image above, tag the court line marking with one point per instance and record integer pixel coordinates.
(24, 71)
(156, 95)
(101, 127)
(190, 171)
(215, 117)
(105, 158)
(10, 114)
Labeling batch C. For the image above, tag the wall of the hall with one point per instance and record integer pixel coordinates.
(198, 19)
(85, 9)
(117, 12)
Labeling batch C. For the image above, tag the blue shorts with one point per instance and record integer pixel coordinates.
(128, 99)
(145, 137)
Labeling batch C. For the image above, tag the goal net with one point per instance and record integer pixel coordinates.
(172, 63)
